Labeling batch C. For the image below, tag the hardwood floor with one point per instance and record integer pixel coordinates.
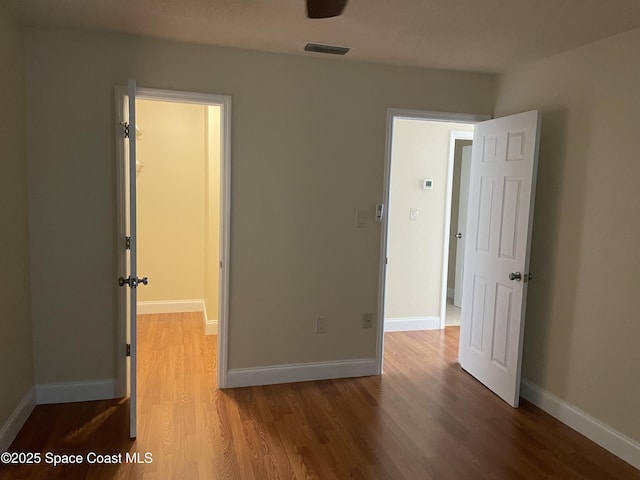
(423, 419)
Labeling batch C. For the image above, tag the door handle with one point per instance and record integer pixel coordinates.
(517, 276)
(133, 282)
(458, 235)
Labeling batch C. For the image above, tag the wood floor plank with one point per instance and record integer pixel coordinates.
(424, 419)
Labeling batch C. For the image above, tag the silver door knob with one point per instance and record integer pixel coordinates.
(458, 235)
(517, 276)
(133, 282)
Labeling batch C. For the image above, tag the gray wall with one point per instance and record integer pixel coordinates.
(16, 357)
(308, 146)
(308, 149)
(582, 331)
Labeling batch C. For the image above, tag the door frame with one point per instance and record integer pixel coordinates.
(224, 102)
(393, 113)
(453, 136)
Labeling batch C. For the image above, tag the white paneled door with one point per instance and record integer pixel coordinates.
(498, 237)
(461, 235)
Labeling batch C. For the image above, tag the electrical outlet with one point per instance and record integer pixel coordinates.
(367, 320)
(321, 324)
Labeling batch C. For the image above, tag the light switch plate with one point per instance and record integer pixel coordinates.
(321, 324)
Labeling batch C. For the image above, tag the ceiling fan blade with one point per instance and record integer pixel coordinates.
(325, 8)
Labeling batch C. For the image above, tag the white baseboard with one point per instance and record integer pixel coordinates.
(171, 306)
(177, 306)
(617, 443)
(17, 419)
(77, 391)
(245, 377)
(210, 325)
(405, 324)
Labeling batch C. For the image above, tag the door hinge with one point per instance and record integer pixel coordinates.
(128, 349)
(125, 126)
(127, 243)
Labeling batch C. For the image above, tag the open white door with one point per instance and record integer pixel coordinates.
(131, 281)
(461, 235)
(500, 214)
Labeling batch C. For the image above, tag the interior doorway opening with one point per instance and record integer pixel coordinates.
(178, 207)
(169, 212)
(425, 156)
(497, 247)
(457, 235)
(418, 182)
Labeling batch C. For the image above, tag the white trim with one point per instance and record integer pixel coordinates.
(384, 233)
(77, 391)
(177, 306)
(405, 324)
(615, 442)
(453, 136)
(437, 116)
(225, 243)
(210, 326)
(224, 102)
(17, 419)
(177, 96)
(245, 377)
(170, 306)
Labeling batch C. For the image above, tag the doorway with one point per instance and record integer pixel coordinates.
(418, 192)
(178, 200)
(461, 160)
(203, 287)
(421, 173)
(497, 251)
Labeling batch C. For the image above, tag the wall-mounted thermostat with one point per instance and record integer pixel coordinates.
(427, 184)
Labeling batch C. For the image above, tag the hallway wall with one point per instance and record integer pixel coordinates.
(420, 150)
(171, 200)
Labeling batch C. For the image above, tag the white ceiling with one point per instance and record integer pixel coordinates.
(475, 35)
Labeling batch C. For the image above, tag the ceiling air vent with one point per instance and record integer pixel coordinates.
(330, 49)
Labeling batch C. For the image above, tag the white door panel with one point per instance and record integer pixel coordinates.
(462, 224)
(500, 212)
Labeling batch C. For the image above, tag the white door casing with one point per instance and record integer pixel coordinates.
(462, 224)
(500, 215)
